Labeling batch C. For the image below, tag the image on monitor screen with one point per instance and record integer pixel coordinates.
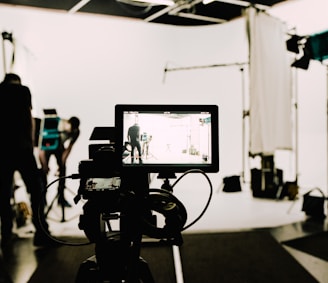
(173, 137)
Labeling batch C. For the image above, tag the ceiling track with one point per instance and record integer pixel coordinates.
(176, 9)
(200, 17)
(239, 3)
(160, 13)
(78, 6)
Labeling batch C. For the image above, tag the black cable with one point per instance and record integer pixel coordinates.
(43, 195)
(75, 176)
(50, 207)
(209, 198)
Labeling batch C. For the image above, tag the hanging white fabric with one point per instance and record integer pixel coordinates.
(270, 84)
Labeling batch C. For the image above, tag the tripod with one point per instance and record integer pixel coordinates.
(114, 262)
(117, 253)
(61, 202)
(59, 198)
(145, 149)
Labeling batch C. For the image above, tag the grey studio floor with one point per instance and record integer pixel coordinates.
(227, 212)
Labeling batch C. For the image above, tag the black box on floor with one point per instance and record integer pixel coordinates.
(231, 184)
(266, 184)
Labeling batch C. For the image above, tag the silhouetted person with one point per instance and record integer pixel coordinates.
(16, 154)
(69, 133)
(134, 139)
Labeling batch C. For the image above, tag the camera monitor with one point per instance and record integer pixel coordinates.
(167, 138)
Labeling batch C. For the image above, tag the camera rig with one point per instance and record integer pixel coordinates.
(117, 188)
(124, 195)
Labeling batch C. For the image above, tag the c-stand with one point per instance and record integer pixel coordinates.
(60, 199)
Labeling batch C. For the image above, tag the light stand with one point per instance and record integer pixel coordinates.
(245, 112)
(327, 123)
(5, 36)
(4, 55)
(296, 126)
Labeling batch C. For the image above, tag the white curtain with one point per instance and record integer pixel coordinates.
(270, 84)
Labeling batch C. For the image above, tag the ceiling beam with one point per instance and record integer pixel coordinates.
(78, 6)
(239, 3)
(200, 17)
(179, 6)
(155, 2)
(161, 13)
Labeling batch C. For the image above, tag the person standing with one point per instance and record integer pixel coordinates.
(17, 154)
(134, 140)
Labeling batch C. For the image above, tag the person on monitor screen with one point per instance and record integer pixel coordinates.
(69, 132)
(134, 140)
(17, 154)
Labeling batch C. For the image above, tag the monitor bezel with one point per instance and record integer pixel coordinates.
(212, 167)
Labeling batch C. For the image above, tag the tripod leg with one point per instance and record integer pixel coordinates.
(145, 273)
(62, 205)
(63, 212)
(51, 205)
(61, 200)
(88, 272)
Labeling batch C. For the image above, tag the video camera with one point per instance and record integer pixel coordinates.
(115, 181)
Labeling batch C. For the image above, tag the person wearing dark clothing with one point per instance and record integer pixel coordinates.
(134, 139)
(17, 154)
(69, 133)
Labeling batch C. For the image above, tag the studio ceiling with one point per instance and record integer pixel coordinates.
(180, 12)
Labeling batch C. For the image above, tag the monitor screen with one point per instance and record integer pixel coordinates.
(167, 138)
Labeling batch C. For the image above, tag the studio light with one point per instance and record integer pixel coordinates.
(293, 43)
(7, 36)
(314, 47)
(319, 46)
(302, 63)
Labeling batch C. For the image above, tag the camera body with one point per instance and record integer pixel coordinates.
(102, 166)
(111, 193)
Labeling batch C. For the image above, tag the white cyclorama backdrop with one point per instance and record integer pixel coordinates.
(84, 65)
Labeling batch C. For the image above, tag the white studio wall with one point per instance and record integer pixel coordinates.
(312, 108)
(83, 65)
